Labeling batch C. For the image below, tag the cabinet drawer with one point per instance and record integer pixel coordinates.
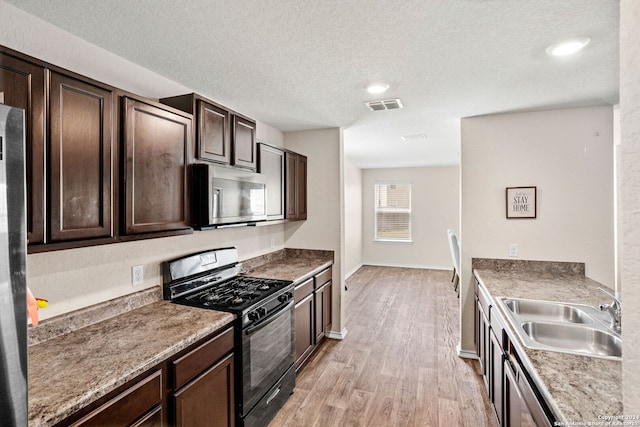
(127, 407)
(195, 362)
(323, 277)
(303, 289)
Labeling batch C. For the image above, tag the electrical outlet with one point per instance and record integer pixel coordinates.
(137, 275)
(513, 249)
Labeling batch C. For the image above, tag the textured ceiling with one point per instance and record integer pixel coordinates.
(301, 65)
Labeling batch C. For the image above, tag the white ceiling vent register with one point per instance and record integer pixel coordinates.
(386, 104)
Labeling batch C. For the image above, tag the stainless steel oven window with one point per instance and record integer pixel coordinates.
(267, 353)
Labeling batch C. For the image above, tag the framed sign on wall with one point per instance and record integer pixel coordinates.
(521, 202)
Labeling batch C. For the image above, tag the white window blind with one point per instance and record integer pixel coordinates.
(393, 211)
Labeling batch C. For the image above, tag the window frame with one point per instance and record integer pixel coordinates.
(376, 210)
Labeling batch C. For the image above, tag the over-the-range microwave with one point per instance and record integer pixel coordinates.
(224, 196)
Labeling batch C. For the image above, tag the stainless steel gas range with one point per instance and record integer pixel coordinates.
(264, 332)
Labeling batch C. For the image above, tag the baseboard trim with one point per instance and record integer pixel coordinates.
(466, 354)
(337, 335)
(352, 272)
(421, 266)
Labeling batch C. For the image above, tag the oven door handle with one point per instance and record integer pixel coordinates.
(269, 320)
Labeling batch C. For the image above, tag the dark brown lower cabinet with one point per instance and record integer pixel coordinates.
(516, 414)
(208, 400)
(191, 389)
(203, 384)
(497, 358)
(323, 310)
(312, 314)
(482, 336)
(153, 419)
(511, 394)
(305, 335)
(139, 405)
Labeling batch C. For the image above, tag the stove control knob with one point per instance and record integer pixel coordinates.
(283, 298)
(254, 315)
(262, 312)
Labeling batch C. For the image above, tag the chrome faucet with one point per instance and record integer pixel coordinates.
(615, 311)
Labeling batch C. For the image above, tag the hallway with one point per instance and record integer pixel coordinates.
(397, 365)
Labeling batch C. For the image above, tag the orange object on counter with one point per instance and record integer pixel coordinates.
(32, 308)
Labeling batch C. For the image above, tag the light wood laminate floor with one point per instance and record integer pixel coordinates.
(398, 364)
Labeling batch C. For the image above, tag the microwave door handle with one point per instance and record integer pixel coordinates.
(216, 202)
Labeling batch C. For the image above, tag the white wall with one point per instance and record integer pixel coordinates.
(75, 278)
(629, 185)
(353, 218)
(323, 227)
(434, 209)
(568, 155)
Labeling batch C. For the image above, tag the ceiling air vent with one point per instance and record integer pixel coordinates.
(386, 104)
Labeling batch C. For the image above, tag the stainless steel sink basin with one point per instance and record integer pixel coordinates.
(575, 338)
(562, 327)
(547, 310)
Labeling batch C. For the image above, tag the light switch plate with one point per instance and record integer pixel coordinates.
(137, 275)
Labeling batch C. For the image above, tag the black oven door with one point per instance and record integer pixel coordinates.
(267, 353)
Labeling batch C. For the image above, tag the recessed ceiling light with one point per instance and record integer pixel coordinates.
(568, 47)
(377, 87)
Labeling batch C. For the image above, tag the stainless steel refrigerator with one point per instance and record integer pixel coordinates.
(13, 307)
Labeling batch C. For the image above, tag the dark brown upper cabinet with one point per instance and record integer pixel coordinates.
(213, 126)
(156, 149)
(69, 164)
(296, 186)
(213, 135)
(271, 164)
(222, 135)
(244, 143)
(80, 159)
(22, 85)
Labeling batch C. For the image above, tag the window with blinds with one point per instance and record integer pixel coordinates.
(393, 211)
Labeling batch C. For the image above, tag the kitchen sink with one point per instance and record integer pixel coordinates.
(575, 338)
(547, 310)
(562, 327)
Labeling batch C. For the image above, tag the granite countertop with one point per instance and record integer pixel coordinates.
(576, 388)
(72, 370)
(296, 266)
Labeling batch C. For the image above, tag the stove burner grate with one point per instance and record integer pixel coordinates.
(234, 292)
